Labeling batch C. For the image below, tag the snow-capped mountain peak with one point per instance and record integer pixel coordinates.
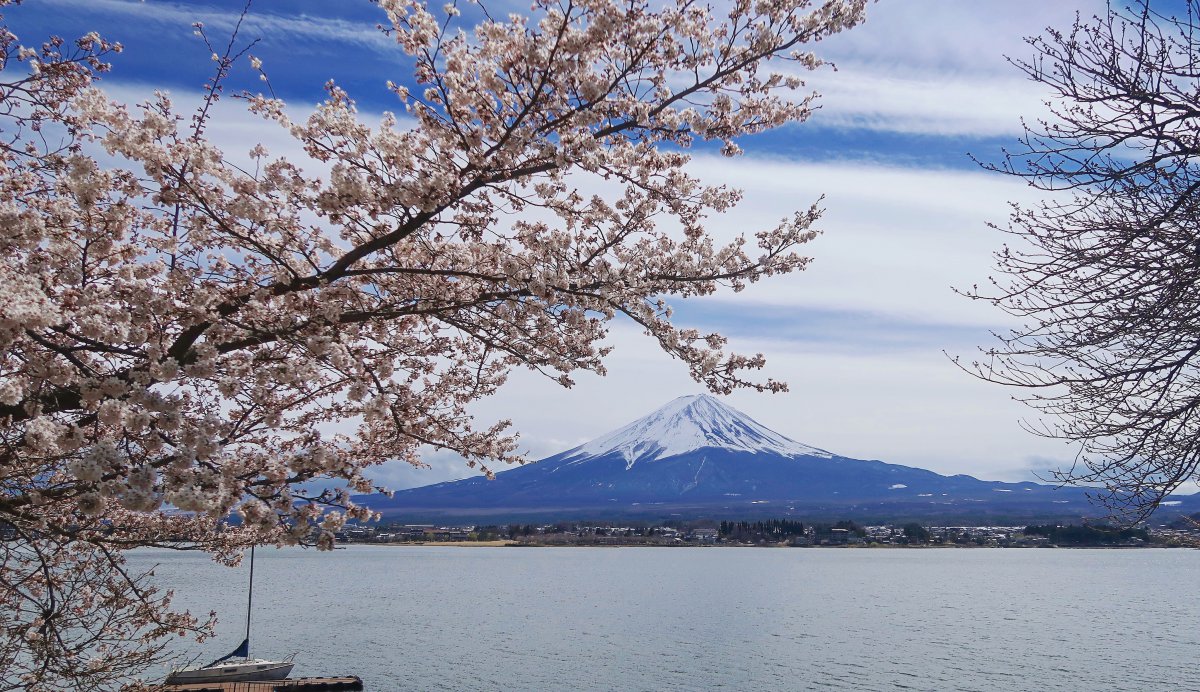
(690, 423)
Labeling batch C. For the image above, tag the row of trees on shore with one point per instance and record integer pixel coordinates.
(764, 532)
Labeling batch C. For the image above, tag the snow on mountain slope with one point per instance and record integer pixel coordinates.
(686, 424)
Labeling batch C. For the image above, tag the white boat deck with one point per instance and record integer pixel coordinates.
(339, 684)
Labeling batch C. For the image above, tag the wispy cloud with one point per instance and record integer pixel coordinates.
(957, 105)
(267, 25)
(948, 36)
(818, 329)
(938, 67)
(896, 239)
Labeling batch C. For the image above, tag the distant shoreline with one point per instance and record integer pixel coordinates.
(457, 544)
(861, 546)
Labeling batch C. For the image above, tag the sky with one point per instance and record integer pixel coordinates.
(864, 336)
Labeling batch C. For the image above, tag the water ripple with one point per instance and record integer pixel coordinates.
(427, 618)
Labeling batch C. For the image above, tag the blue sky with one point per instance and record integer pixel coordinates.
(861, 336)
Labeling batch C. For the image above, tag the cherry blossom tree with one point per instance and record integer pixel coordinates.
(1103, 275)
(188, 338)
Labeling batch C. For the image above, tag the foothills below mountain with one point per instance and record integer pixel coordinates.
(698, 457)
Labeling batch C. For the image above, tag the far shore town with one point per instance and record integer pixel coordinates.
(776, 532)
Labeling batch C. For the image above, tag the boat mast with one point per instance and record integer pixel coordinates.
(249, 602)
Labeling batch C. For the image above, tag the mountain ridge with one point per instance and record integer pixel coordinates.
(698, 456)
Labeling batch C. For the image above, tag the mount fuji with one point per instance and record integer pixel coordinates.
(697, 456)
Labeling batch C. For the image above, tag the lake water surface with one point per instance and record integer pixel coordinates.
(454, 618)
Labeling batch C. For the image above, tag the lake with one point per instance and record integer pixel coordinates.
(457, 618)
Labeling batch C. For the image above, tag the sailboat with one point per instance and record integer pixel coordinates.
(236, 666)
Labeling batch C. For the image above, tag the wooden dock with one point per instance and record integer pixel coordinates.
(347, 684)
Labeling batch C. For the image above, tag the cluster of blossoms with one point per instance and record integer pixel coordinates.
(179, 334)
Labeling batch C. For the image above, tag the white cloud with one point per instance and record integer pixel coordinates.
(896, 239)
(860, 97)
(270, 26)
(952, 35)
(938, 67)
